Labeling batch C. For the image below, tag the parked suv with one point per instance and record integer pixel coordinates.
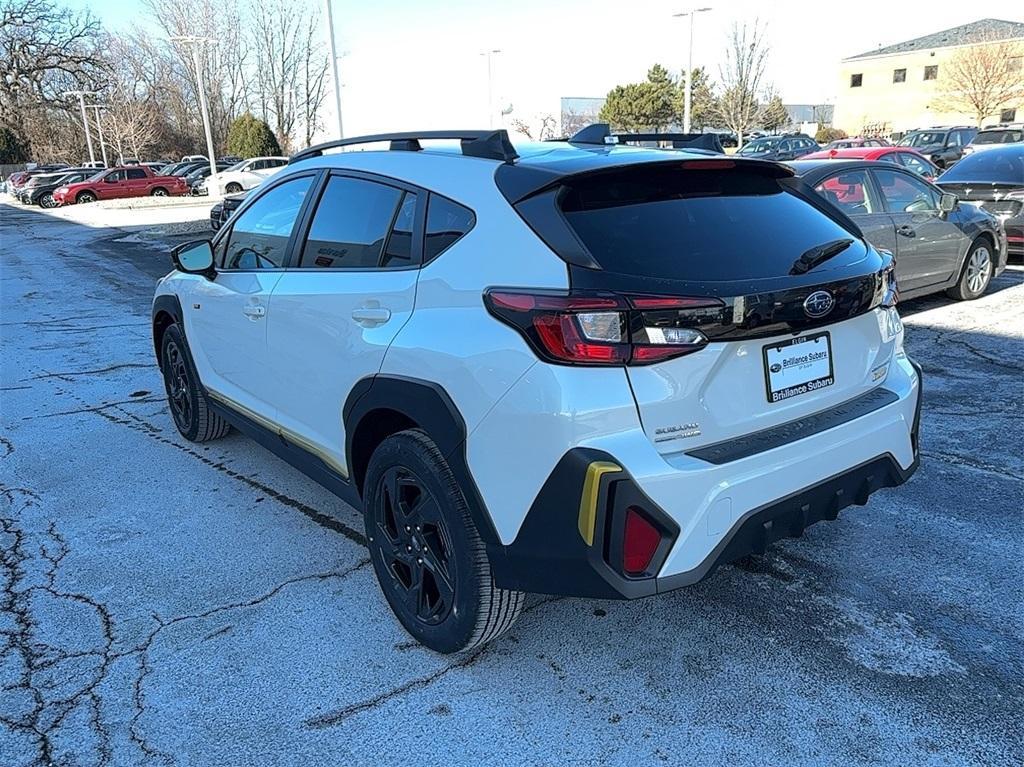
(779, 147)
(569, 367)
(943, 146)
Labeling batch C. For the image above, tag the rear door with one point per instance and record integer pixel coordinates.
(228, 315)
(853, 193)
(335, 311)
(929, 244)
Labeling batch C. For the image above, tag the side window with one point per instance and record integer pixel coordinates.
(447, 223)
(916, 164)
(258, 165)
(850, 192)
(893, 157)
(276, 163)
(135, 174)
(114, 175)
(351, 223)
(398, 251)
(259, 237)
(965, 137)
(905, 194)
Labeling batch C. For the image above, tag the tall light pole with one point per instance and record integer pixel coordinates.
(689, 67)
(196, 42)
(85, 120)
(99, 129)
(490, 86)
(334, 66)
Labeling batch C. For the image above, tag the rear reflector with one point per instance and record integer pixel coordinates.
(639, 543)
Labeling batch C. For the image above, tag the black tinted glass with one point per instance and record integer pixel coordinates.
(1002, 165)
(398, 251)
(136, 173)
(694, 224)
(350, 224)
(447, 222)
(259, 238)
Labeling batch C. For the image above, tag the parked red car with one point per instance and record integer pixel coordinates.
(130, 181)
(898, 155)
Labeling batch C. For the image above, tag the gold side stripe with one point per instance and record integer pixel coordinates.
(588, 500)
(281, 431)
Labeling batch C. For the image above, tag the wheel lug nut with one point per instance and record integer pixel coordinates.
(419, 561)
(408, 548)
(408, 529)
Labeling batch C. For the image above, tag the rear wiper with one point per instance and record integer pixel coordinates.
(819, 253)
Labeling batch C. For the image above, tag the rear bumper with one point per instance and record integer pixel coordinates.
(550, 555)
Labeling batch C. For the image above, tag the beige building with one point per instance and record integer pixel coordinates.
(896, 88)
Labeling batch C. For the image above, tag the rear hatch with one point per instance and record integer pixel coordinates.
(782, 286)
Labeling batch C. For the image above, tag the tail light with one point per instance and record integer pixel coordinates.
(587, 328)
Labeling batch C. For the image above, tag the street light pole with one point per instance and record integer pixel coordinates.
(85, 120)
(490, 87)
(334, 66)
(99, 129)
(196, 42)
(688, 94)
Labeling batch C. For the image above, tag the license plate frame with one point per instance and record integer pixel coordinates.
(774, 355)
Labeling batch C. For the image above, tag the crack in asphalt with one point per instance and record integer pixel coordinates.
(93, 408)
(47, 712)
(336, 717)
(69, 376)
(133, 421)
(973, 463)
(138, 694)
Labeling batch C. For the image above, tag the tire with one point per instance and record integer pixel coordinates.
(429, 558)
(159, 192)
(233, 188)
(189, 406)
(976, 273)
(85, 197)
(47, 201)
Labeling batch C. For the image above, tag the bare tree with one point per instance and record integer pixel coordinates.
(746, 59)
(315, 63)
(44, 51)
(573, 121)
(546, 127)
(981, 79)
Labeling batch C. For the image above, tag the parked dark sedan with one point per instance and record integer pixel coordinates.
(939, 243)
(993, 179)
(779, 147)
(943, 146)
(222, 211)
(195, 178)
(38, 190)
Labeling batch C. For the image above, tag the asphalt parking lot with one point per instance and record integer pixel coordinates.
(171, 604)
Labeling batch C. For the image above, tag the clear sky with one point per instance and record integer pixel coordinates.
(413, 64)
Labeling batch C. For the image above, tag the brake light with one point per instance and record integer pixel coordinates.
(639, 542)
(588, 328)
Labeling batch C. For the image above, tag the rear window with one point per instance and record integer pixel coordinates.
(999, 137)
(689, 224)
(999, 165)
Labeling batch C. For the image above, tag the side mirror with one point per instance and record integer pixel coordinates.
(947, 202)
(194, 257)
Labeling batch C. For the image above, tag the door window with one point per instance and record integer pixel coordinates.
(114, 175)
(259, 237)
(134, 174)
(850, 192)
(906, 194)
(351, 224)
(916, 164)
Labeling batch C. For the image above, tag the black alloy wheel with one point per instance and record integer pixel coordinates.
(178, 385)
(416, 548)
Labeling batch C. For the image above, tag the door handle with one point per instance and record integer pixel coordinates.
(255, 311)
(907, 231)
(371, 316)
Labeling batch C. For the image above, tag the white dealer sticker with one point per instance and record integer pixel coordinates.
(798, 366)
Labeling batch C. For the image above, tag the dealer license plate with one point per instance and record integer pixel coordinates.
(797, 366)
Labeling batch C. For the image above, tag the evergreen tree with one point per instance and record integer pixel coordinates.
(249, 136)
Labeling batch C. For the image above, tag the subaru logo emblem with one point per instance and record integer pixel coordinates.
(818, 304)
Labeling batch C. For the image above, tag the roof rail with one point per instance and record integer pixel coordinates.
(600, 133)
(488, 144)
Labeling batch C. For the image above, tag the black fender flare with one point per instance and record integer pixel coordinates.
(170, 305)
(427, 404)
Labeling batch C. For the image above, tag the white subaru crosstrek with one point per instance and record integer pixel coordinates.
(576, 367)
(243, 175)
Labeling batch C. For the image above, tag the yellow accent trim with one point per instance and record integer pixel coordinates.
(281, 431)
(588, 500)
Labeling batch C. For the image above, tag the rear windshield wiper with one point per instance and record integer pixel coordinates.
(819, 253)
